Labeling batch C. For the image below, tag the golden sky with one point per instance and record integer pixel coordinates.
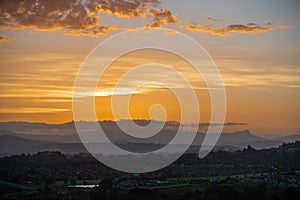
(255, 45)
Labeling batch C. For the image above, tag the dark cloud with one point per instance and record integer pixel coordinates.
(127, 9)
(225, 124)
(162, 16)
(5, 39)
(252, 24)
(80, 17)
(214, 19)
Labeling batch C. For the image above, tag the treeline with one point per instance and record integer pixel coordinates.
(54, 166)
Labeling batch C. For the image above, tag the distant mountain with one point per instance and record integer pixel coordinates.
(10, 145)
(24, 137)
(13, 145)
(245, 138)
(39, 128)
(239, 137)
(70, 138)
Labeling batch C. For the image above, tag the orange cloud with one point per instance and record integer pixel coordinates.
(161, 17)
(278, 25)
(249, 28)
(78, 17)
(5, 39)
(47, 15)
(127, 9)
(83, 17)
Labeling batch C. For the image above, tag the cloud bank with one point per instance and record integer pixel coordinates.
(78, 17)
(85, 17)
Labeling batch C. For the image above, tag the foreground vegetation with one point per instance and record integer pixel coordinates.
(247, 174)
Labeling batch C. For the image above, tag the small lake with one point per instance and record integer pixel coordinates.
(83, 186)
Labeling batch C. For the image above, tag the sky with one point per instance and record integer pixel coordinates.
(255, 45)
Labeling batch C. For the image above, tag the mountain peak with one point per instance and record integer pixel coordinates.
(243, 132)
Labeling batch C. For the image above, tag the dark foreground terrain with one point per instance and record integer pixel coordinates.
(244, 174)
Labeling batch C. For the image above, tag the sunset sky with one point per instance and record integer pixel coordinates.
(255, 45)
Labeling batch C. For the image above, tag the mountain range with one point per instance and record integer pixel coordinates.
(25, 137)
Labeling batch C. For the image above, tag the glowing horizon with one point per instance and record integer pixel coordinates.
(44, 43)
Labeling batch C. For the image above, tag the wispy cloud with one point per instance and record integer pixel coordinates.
(250, 28)
(33, 110)
(214, 19)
